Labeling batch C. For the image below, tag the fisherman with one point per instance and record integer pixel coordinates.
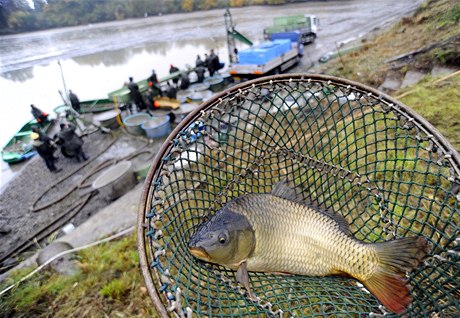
(173, 69)
(171, 91)
(74, 101)
(154, 83)
(46, 151)
(199, 62)
(214, 60)
(72, 144)
(184, 80)
(208, 64)
(200, 70)
(40, 116)
(136, 95)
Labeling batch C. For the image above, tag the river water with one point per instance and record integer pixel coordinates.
(96, 59)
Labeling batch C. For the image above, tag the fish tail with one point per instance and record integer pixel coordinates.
(388, 282)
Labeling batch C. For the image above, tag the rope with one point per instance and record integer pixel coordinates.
(110, 238)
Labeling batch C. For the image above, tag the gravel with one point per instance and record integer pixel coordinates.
(18, 223)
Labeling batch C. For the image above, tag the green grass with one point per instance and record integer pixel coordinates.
(108, 285)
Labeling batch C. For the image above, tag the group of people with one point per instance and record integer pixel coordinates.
(211, 63)
(179, 81)
(70, 142)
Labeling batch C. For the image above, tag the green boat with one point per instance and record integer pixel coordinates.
(122, 95)
(89, 106)
(19, 147)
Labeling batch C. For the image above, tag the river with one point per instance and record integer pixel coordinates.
(99, 58)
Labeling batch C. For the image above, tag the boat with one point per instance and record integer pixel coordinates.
(89, 106)
(19, 147)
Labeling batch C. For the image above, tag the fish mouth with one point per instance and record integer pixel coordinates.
(199, 252)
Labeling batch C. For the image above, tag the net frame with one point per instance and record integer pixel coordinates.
(173, 299)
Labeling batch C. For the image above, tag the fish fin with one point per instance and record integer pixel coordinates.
(286, 189)
(344, 226)
(242, 277)
(388, 282)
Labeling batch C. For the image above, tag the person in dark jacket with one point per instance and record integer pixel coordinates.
(72, 143)
(214, 60)
(136, 95)
(154, 84)
(46, 151)
(200, 70)
(39, 115)
(199, 62)
(209, 65)
(173, 69)
(74, 101)
(171, 91)
(184, 80)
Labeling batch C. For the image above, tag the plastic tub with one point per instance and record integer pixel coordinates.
(199, 87)
(134, 122)
(108, 119)
(198, 97)
(157, 127)
(183, 111)
(216, 83)
(116, 181)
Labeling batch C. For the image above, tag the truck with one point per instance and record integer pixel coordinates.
(306, 25)
(269, 57)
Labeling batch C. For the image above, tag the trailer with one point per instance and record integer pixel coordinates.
(306, 25)
(270, 57)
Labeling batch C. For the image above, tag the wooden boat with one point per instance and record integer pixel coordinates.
(20, 147)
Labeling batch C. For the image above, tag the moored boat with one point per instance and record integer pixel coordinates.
(19, 147)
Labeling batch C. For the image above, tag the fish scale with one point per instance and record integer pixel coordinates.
(293, 238)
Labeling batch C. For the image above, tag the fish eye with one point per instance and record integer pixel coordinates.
(222, 239)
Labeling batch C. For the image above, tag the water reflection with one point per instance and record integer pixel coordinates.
(19, 75)
(117, 57)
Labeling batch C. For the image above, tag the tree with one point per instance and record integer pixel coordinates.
(208, 4)
(187, 5)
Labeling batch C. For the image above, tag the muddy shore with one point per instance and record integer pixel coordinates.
(18, 220)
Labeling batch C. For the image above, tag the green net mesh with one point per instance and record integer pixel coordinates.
(349, 147)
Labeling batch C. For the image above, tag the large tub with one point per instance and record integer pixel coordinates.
(116, 180)
(216, 83)
(133, 123)
(183, 111)
(108, 119)
(157, 127)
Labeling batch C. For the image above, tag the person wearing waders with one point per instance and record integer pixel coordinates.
(39, 115)
(71, 142)
(46, 151)
(74, 101)
(136, 95)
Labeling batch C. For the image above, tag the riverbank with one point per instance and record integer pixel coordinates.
(110, 283)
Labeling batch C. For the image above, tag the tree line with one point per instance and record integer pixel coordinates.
(18, 16)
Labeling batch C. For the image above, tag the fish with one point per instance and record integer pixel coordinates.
(281, 232)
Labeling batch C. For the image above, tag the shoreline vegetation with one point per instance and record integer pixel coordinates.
(110, 283)
(17, 16)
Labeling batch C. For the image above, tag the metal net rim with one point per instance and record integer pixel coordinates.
(444, 146)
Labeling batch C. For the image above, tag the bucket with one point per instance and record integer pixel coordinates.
(134, 122)
(157, 127)
(198, 97)
(216, 83)
(199, 87)
(108, 119)
(116, 181)
(183, 111)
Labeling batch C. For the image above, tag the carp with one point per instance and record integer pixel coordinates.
(279, 232)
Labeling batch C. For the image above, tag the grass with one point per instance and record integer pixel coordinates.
(110, 284)
(435, 21)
